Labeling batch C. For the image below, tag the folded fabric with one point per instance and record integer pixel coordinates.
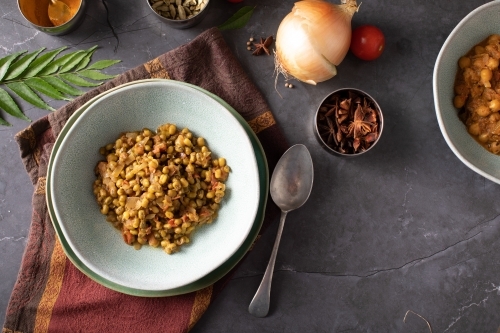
(51, 294)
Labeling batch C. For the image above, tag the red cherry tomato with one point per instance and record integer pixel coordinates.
(367, 42)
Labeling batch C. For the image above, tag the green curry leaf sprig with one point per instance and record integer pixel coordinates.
(59, 77)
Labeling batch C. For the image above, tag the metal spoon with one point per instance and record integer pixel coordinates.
(291, 185)
(59, 12)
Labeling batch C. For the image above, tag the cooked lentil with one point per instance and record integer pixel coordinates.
(477, 92)
(158, 187)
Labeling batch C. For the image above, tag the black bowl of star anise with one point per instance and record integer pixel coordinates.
(348, 122)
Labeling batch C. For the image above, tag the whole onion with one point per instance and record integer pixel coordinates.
(313, 39)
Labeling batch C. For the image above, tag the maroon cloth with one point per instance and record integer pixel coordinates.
(51, 294)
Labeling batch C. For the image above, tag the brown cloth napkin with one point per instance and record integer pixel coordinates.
(51, 294)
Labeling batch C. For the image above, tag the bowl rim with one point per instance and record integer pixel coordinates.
(435, 75)
(91, 265)
(323, 143)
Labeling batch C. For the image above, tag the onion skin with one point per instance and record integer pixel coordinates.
(313, 39)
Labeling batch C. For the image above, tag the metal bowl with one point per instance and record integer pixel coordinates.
(330, 143)
(36, 13)
(179, 23)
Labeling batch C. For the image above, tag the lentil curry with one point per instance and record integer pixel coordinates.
(156, 188)
(477, 92)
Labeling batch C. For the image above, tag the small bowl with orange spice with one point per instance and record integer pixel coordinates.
(53, 17)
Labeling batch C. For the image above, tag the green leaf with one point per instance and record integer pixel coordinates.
(4, 123)
(86, 60)
(20, 65)
(95, 75)
(10, 106)
(78, 81)
(72, 62)
(39, 63)
(25, 92)
(57, 64)
(31, 75)
(6, 61)
(62, 86)
(239, 19)
(101, 64)
(43, 87)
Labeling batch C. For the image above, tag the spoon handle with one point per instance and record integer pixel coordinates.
(259, 307)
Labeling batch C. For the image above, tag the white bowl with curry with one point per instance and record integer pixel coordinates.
(466, 86)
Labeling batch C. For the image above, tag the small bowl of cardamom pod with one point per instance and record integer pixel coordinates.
(180, 14)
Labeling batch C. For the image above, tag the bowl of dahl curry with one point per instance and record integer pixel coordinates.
(466, 88)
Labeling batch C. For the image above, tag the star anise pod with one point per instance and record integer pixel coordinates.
(329, 132)
(359, 127)
(342, 115)
(345, 104)
(326, 110)
(263, 46)
(370, 115)
(364, 142)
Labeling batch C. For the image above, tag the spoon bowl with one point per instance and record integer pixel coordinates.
(292, 178)
(59, 12)
(291, 185)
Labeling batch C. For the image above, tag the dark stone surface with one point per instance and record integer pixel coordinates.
(406, 226)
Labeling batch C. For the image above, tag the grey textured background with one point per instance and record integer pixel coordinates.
(404, 227)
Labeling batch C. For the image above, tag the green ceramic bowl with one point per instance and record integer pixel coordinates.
(94, 244)
(474, 28)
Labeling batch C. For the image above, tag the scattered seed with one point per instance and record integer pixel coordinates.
(182, 12)
(249, 43)
(286, 84)
(251, 39)
(290, 85)
(173, 13)
(249, 48)
(157, 4)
